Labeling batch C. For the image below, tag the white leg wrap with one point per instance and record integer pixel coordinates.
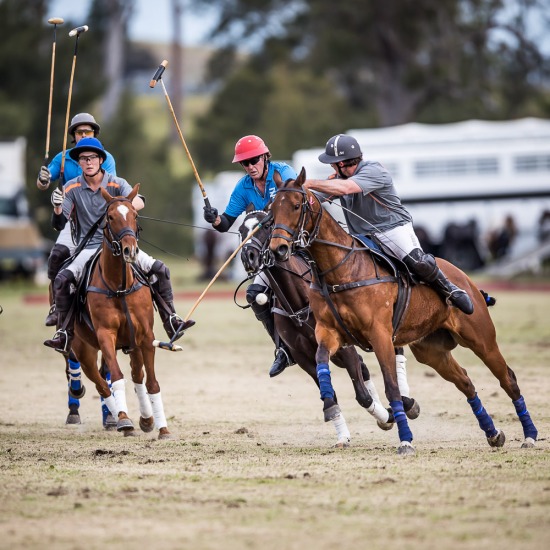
(158, 411)
(111, 405)
(145, 409)
(401, 368)
(119, 391)
(342, 432)
(373, 392)
(379, 412)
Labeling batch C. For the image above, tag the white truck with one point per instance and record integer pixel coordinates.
(22, 250)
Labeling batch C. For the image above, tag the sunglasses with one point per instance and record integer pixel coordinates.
(253, 160)
(84, 132)
(88, 158)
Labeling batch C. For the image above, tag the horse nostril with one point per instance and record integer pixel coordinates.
(282, 252)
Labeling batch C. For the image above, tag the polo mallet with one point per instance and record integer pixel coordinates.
(53, 21)
(156, 78)
(75, 32)
(170, 346)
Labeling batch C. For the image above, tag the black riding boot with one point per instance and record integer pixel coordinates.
(425, 267)
(61, 340)
(283, 357)
(164, 298)
(59, 254)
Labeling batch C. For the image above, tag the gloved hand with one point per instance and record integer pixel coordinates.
(57, 197)
(44, 177)
(210, 214)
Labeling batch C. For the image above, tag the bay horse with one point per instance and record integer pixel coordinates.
(354, 300)
(289, 282)
(120, 310)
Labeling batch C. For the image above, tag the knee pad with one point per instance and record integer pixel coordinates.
(253, 290)
(57, 257)
(62, 289)
(262, 311)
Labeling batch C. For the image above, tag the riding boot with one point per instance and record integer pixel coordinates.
(283, 357)
(173, 324)
(59, 254)
(61, 340)
(425, 267)
(52, 317)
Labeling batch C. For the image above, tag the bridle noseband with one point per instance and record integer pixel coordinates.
(114, 239)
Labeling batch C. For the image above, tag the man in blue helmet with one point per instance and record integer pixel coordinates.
(83, 204)
(82, 125)
(371, 205)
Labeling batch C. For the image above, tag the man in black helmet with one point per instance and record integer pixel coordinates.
(371, 205)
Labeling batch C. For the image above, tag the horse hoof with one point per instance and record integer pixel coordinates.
(77, 394)
(405, 449)
(385, 425)
(110, 423)
(414, 411)
(342, 444)
(73, 418)
(332, 412)
(529, 443)
(146, 424)
(124, 424)
(497, 440)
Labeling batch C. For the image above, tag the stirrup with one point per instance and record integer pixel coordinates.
(66, 348)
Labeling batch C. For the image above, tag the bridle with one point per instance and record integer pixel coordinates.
(114, 240)
(300, 237)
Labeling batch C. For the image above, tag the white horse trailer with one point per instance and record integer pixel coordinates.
(472, 171)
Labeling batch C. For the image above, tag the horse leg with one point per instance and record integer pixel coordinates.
(118, 383)
(146, 422)
(442, 361)
(383, 348)
(109, 422)
(487, 350)
(411, 406)
(74, 404)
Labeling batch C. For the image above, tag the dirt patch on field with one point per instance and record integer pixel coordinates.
(251, 465)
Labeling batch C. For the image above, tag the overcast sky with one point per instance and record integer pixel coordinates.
(151, 20)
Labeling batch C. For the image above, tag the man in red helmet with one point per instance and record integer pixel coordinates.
(258, 187)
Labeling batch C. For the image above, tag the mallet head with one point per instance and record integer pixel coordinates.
(56, 21)
(158, 74)
(78, 30)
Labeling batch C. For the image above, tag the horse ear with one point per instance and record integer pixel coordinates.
(105, 194)
(133, 192)
(250, 208)
(301, 177)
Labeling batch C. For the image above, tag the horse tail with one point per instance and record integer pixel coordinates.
(489, 300)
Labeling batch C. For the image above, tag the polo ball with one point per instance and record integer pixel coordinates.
(261, 299)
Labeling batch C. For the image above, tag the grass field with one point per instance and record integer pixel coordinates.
(251, 465)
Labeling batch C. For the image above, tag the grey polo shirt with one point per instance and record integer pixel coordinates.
(87, 205)
(378, 204)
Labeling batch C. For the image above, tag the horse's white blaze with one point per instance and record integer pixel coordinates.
(123, 209)
(251, 224)
(145, 409)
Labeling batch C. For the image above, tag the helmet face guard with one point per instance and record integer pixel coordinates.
(248, 147)
(339, 148)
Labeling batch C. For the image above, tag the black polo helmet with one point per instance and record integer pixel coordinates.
(340, 147)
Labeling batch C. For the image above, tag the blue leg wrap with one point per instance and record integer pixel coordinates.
(405, 433)
(323, 375)
(104, 409)
(485, 421)
(75, 375)
(529, 429)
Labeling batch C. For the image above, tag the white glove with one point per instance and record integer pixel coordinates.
(57, 197)
(44, 177)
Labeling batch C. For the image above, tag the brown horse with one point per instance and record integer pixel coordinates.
(289, 282)
(360, 297)
(120, 308)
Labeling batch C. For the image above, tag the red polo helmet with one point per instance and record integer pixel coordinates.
(248, 147)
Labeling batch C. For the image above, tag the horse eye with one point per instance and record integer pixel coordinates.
(297, 206)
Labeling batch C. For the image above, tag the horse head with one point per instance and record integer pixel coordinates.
(121, 227)
(253, 251)
(295, 220)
